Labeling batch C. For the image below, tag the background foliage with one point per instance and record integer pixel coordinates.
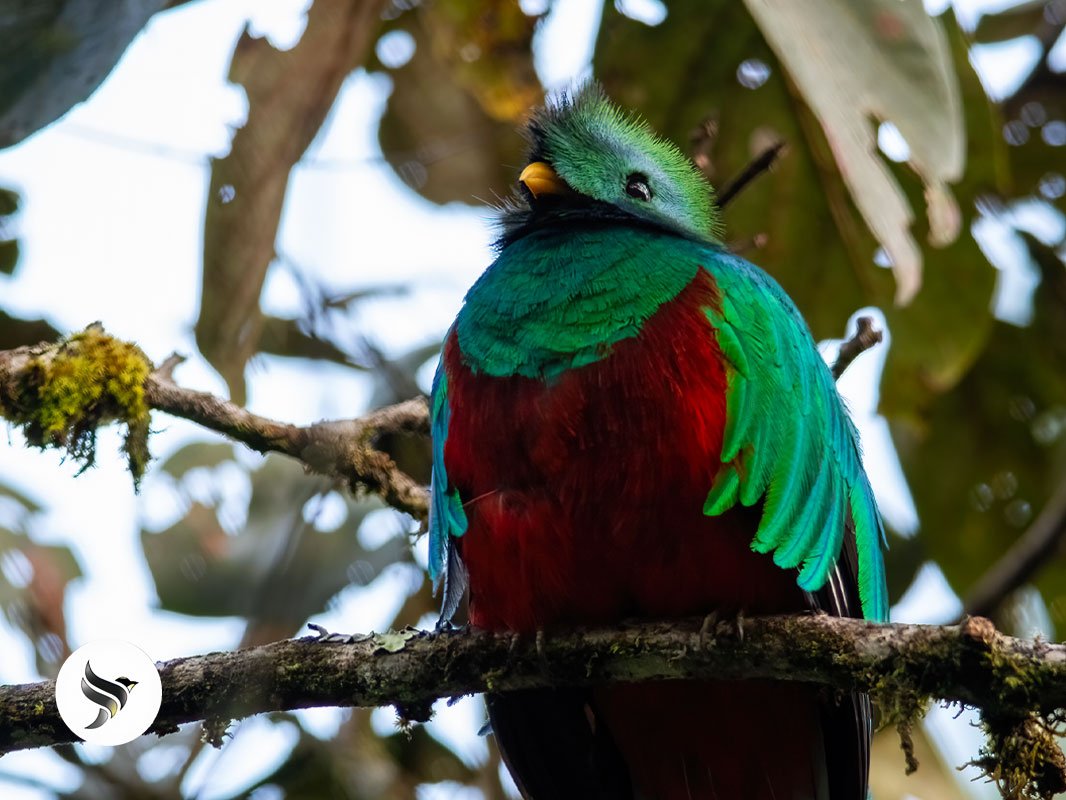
(974, 395)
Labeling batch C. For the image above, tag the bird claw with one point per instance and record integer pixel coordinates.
(328, 637)
(539, 645)
(708, 628)
(447, 626)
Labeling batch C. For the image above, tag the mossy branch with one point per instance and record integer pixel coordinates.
(59, 394)
(1019, 686)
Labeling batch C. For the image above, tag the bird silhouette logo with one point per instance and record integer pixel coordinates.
(110, 696)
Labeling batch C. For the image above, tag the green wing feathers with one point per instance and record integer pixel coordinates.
(788, 439)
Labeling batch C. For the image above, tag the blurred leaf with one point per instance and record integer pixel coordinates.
(9, 202)
(289, 95)
(56, 53)
(9, 255)
(448, 129)
(885, 60)
(15, 332)
(286, 337)
(936, 339)
(903, 558)
(23, 500)
(1021, 19)
(9, 246)
(196, 455)
(33, 586)
(395, 380)
(360, 765)
(1035, 126)
(277, 570)
(994, 449)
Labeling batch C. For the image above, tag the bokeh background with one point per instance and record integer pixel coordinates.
(295, 195)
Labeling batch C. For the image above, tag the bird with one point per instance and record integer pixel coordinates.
(631, 421)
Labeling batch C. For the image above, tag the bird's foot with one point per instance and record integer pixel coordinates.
(323, 635)
(708, 629)
(447, 626)
(542, 655)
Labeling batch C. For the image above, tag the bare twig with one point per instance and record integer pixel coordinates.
(701, 144)
(866, 336)
(756, 167)
(1030, 552)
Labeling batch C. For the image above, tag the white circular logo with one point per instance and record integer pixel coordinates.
(108, 692)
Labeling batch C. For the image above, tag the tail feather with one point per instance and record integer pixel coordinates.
(555, 746)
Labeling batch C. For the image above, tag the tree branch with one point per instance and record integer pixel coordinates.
(865, 337)
(902, 665)
(341, 449)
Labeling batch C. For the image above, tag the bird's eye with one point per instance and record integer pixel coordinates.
(637, 187)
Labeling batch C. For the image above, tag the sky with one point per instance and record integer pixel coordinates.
(139, 148)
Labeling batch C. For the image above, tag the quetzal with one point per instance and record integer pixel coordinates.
(631, 421)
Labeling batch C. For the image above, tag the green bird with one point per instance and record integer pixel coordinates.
(630, 421)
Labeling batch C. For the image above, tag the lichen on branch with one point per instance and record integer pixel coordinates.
(60, 394)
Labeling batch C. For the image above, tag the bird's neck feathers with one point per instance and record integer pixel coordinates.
(560, 299)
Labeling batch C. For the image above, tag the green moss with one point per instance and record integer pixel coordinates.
(87, 380)
(1023, 758)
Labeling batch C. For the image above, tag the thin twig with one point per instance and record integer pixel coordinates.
(865, 337)
(756, 167)
(701, 142)
(1029, 553)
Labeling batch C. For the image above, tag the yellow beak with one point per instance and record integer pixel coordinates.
(540, 178)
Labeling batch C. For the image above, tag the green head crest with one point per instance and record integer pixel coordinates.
(602, 153)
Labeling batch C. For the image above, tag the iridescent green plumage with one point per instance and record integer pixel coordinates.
(616, 390)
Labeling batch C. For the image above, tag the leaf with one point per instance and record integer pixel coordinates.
(1022, 19)
(9, 246)
(361, 765)
(277, 569)
(448, 128)
(28, 504)
(937, 338)
(990, 453)
(287, 338)
(56, 53)
(1035, 127)
(198, 455)
(33, 587)
(394, 641)
(885, 60)
(16, 332)
(289, 95)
